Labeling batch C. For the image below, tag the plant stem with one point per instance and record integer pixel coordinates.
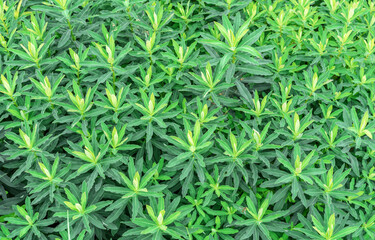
(233, 58)
(50, 102)
(71, 30)
(113, 78)
(14, 101)
(78, 78)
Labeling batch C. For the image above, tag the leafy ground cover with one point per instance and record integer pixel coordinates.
(205, 119)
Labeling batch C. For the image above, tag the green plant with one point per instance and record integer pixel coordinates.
(199, 119)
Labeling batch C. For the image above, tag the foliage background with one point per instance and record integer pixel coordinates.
(207, 119)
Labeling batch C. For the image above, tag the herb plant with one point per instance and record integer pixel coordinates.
(187, 119)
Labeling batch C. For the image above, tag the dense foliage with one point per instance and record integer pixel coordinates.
(204, 119)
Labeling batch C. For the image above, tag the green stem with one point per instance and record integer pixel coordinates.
(38, 66)
(50, 102)
(71, 30)
(130, 20)
(36, 156)
(5, 27)
(113, 78)
(78, 78)
(340, 50)
(14, 101)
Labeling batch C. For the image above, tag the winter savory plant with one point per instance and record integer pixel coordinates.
(187, 119)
